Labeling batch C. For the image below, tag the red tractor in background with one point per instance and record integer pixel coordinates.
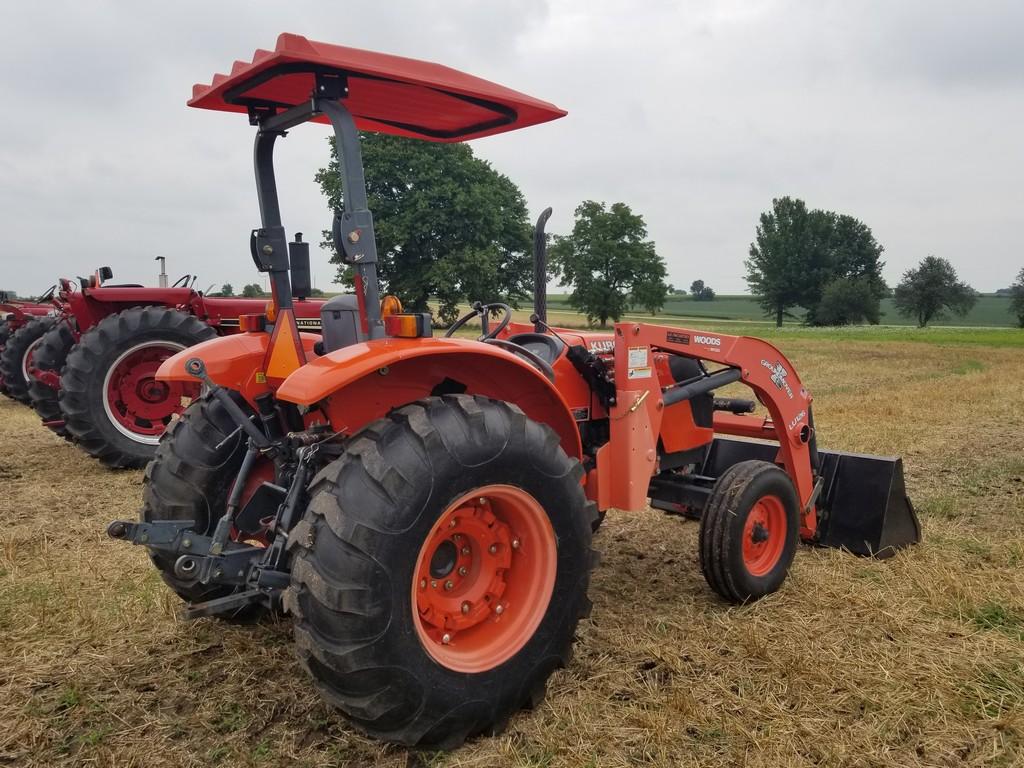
(15, 314)
(91, 377)
(423, 507)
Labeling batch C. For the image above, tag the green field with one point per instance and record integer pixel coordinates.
(990, 310)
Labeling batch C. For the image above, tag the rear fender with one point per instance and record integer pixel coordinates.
(364, 382)
(234, 362)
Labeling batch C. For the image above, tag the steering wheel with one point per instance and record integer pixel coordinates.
(483, 311)
(182, 281)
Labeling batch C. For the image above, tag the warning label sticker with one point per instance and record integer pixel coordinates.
(636, 363)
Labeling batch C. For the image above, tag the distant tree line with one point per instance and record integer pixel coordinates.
(829, 265)
(450, 229)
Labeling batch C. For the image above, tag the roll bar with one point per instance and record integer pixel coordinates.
(354, 235)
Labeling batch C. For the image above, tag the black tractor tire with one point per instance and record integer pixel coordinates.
(50, 355)
(355, 553)
(5, 334)
(82, 384)
(12, 359)
(189, 479)
(736, 495)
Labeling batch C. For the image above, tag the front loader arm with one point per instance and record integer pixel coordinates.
(627, 462)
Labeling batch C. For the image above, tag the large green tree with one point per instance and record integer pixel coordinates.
(1017, 298)
(608, 263)
(848, 301)
(932, 289)
(448, 225)
(797, 252)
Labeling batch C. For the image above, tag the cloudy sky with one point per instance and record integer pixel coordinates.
(907, 115)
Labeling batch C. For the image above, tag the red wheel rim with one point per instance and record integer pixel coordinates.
(28, 360)
(484, 578)
(137, 404)
(764, 535)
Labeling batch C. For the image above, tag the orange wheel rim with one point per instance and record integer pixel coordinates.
(484, 578)
(764, 535)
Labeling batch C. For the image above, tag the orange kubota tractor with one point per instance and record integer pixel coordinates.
(423, 507)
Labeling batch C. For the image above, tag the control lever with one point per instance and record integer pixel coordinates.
(535, 319)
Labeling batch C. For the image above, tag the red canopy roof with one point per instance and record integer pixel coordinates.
(387, 94)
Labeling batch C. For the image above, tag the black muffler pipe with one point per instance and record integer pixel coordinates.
(540, 271)
(702, 386)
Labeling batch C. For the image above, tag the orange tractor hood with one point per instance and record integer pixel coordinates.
(320, 377)
(235, 362)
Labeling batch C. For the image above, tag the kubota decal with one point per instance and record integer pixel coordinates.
(602, 347)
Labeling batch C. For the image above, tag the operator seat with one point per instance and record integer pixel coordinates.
(547, 348)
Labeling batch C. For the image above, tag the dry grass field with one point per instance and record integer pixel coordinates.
(918, 660)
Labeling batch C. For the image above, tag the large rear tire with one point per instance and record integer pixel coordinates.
(18, 356)
(5, 334)
(189, 479)
(112, 404)
(440, 570)
(49, 357)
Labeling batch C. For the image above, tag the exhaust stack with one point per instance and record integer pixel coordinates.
(540, 271)
(162, 281)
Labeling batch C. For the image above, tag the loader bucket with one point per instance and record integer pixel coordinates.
(863, 506)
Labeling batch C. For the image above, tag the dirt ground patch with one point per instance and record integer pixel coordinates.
(918, 660)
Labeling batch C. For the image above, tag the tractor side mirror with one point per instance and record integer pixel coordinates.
(105, 273)
(298, 260)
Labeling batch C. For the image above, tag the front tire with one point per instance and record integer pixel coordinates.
(748, 531)
(5, 334)
(440, 570)
(112, 404)
(18, 356)
(50, 356)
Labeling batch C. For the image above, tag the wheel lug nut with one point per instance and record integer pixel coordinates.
(448, 585)
(465, 550)
(499, 609)
(463, 571)
(466, 607)
(452, 523)
(515, 543)
(493, 549)
(446, 638)
(423, 583)
(481, 501)
(433, 584)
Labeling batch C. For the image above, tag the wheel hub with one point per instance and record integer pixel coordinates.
(764, 535)
(484, 578)
(138, 404)
(465, 575)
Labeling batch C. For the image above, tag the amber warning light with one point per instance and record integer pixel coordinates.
(408, 326)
